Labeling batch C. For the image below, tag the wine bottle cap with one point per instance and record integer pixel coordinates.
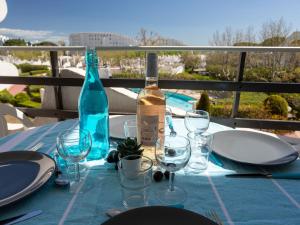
(152, 70)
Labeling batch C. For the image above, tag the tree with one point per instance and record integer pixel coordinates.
(15, 42)
(45, 43)
(203, 103)
(190, 61)
(274, 33)
(151, 38)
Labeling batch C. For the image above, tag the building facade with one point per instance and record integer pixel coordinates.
(99, 39)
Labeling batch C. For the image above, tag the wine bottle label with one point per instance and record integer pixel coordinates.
(149, 130)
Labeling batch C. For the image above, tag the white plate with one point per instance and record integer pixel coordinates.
(22, 173)
(116, 125)
(253, 148)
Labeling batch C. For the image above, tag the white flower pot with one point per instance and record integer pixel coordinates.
(131, 167)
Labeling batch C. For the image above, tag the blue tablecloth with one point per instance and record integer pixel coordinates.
(236, 201)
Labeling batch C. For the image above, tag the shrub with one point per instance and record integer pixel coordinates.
(26, 67)
(29, 104)
(253, 111)
(35, 96)
(36, 72)
(223, 111)
(203, 103)
(6, 97)
(27, 74)
(190, 61)
(22, 97)
(33, 88)
(245, 111)
(277, 105)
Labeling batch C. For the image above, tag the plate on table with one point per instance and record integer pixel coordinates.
(22, 173)
(116, 125)
(159, 215)
(253, 148)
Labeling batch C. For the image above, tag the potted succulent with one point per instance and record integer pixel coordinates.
(130, 153)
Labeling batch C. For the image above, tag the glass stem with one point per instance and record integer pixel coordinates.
(171, 181)
(77, 174)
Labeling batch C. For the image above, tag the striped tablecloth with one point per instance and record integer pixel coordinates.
(236, 201)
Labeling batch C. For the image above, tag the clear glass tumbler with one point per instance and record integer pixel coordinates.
(135, 175)
(201, 148)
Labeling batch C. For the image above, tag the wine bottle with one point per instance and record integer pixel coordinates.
(93, 108)
(151, 106)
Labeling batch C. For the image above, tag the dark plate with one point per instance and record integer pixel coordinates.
(159, 215)
(22, 173)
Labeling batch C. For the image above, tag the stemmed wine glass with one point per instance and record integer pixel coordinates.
(74, 145)
(172, 153)
(196, 121)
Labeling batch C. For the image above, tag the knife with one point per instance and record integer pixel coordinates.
(20, 218)
(266, 175)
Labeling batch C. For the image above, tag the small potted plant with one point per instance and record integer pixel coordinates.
(130, 149)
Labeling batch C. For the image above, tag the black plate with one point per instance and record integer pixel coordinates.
(159, 215)
(22, 173)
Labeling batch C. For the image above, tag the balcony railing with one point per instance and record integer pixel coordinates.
(237, 86)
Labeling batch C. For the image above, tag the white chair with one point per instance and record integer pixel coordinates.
(6, 109)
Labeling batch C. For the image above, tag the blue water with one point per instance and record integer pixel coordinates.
(174, 99)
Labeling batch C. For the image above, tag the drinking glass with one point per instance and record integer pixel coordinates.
(196, 121)
(172, 153)
(74, 145)
(135, 175)
(130, 128)
(201, 148)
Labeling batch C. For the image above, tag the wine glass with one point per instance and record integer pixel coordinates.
(74, 145)
(196, 121)
(172, 153)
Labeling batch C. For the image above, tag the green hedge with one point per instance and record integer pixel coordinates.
(223, 111)
(29, 104)
(26, 67)
(35, 72)
(35, 96)
(245, 111)
(27, 74)
(34, 88)
(6, 97)
(21, 97)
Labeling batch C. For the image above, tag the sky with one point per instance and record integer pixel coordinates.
(190, 21)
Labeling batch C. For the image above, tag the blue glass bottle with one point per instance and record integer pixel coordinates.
(93, 108)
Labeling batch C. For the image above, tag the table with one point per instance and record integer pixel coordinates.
(236, 200)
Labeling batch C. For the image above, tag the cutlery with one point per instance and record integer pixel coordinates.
(36, 147)
(266, 175)
(20, 218)
(211, 214)
(213, 158)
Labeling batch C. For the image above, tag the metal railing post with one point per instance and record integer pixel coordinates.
(55, 73)
(239, 78)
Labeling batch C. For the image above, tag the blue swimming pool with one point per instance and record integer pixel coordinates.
(175, 99)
